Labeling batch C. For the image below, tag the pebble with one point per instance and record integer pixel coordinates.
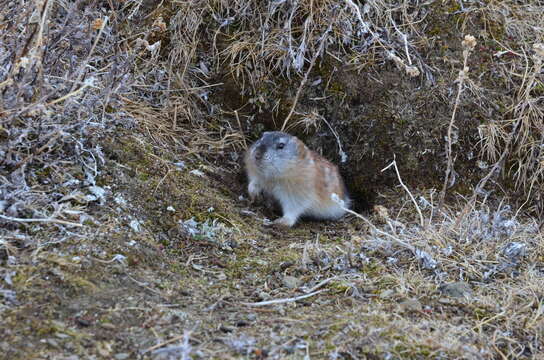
(410, 305)
(291, 282)
(108, 326)
(456, 289)
(387, 294)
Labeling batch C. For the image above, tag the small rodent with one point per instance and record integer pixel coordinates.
(300, 180)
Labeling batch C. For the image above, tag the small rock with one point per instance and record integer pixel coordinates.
(515, 250)
(180, 165)
(233, 244)
(387, 293)
(197, 173)
(291, 282)
(135, 225)
(456, 289)
(226, 329)
(221, 276)
(119, 200)
(83, 322)
(410, 305)
(97, 192)
(261, 262)
(445, 301)
(52, 342)
(241, 323)
(121, 356)
(108, 326)
(285, 265)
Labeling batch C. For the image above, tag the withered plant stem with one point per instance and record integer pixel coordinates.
(449, 169)
(394, 164)
(305, 79)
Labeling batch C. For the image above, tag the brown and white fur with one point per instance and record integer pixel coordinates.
(300, 180)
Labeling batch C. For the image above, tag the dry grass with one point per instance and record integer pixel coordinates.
(124, 226)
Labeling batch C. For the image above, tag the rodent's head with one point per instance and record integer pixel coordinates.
(275, 152)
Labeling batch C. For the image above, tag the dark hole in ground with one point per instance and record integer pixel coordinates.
(362, 197)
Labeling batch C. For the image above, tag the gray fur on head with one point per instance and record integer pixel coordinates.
(274, 152)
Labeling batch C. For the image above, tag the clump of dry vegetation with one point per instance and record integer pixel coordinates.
(124, 227)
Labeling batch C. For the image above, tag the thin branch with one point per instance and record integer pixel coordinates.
(81, 71)
(46, 220)
(468, 44)
(285, 300)
(394, 164)
(154, 347)
(305, 79)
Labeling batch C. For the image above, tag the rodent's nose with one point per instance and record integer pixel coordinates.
(259, 152)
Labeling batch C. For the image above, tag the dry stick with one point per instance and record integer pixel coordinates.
(46, 7)
(69, 95)
(468, 45)
(305, 79)
(241, 129)
(340, 202)
(321, 284)
(394, 164)
(54, 137)
(285, 300)
(86, 61)
(163, 343)
(160, 182)
(48, 220)
(461, 79)
(395, 239)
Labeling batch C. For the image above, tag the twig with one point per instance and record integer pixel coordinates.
(241, 129)
(285, 300)
(305, 79)
(163, 343)
(321, 284)
(343, 155)
(394, 164)
(48, 220)
(468, 44)
(340, 202)
(70, 94)
(81, 71)
(144, 285)
(53, 138)
(160, 182)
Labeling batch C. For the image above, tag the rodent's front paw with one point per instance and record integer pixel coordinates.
(253, 191)
(283, 221)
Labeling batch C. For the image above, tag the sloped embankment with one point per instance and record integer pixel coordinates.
(125, 231)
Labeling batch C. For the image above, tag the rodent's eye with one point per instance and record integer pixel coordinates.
(280, 146)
